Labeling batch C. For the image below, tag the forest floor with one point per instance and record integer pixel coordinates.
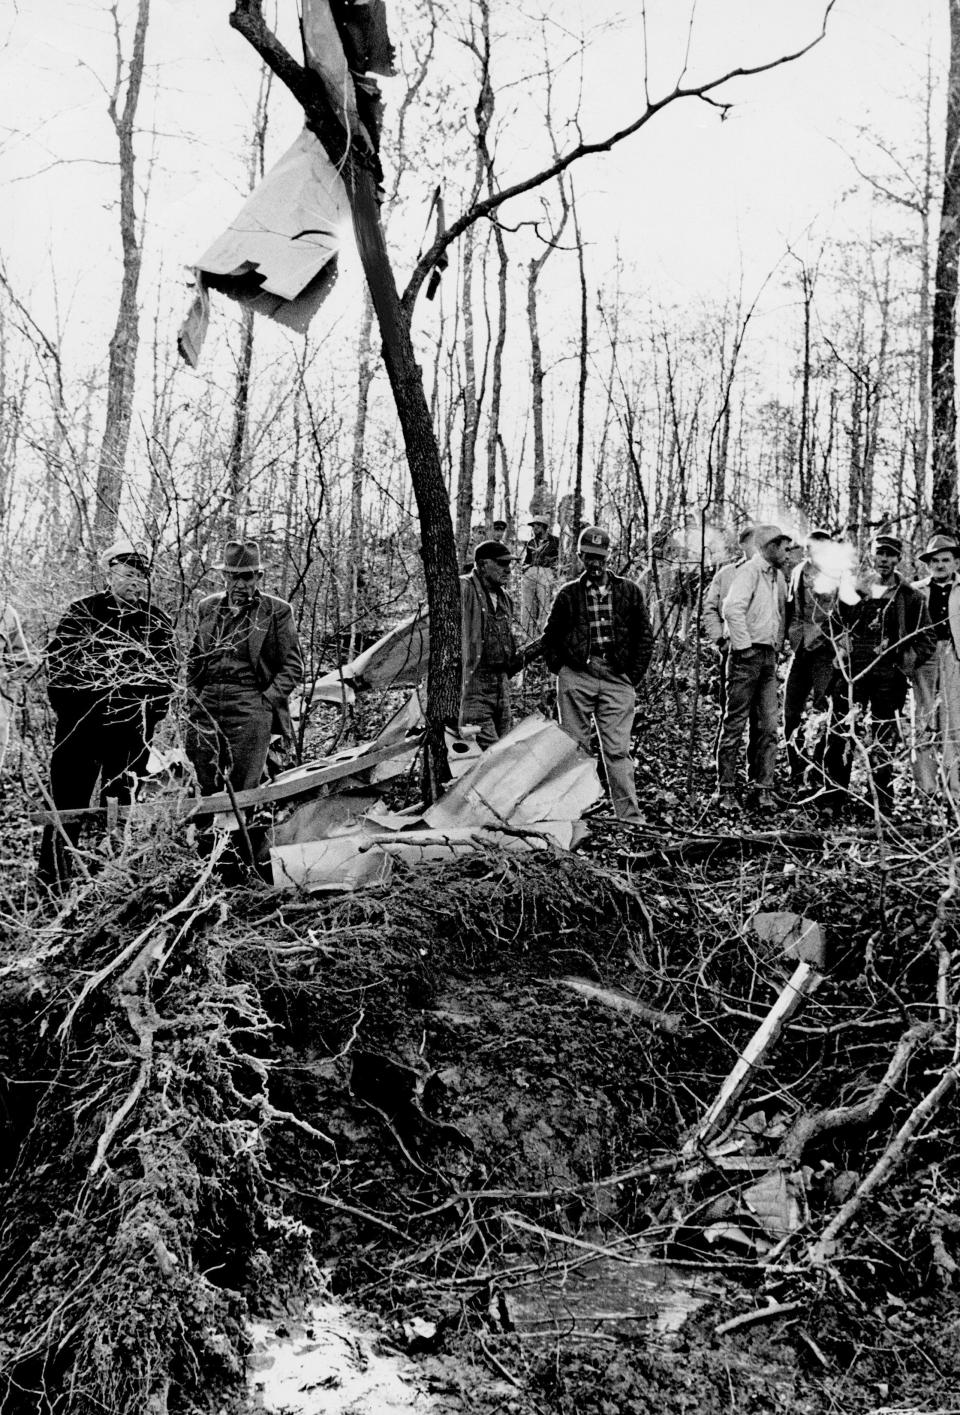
(433, 1145)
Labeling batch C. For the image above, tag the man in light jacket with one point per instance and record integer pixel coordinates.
(754, 617)
(936, 683)
(712, 612)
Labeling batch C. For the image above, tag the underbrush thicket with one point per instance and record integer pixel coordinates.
(218, 1101)
(212, 1095)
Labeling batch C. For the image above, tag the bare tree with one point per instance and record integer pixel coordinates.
(122, 360)
(944, 342)
(347, 144)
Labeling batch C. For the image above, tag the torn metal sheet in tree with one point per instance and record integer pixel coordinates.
(527, 792)
(278, 255)
(398, 660)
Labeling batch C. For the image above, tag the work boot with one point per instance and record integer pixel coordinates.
(724, 803)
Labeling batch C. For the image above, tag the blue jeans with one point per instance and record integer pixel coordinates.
(751, 693)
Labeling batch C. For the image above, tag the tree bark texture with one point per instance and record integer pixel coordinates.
(122, 360)
(944, 340)
(423, 459)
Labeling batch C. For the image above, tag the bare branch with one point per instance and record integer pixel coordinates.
(483, 208)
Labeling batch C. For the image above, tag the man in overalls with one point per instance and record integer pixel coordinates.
(489, 648)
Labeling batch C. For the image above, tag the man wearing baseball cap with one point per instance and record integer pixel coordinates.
(936, 683)
(887, 636)
(754, 615)
(598, 641)
(111, 671)
(488, 646)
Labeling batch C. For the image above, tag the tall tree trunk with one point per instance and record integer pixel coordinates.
(921, 446)
(471, 410)
(496, 384)
(803, 432)
(236, 456)
(576, 515)
(423, 458)
(122, 360)
(944, 341)
(237, 471)
(358, 465)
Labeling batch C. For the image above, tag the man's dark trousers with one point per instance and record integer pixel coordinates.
(751, 697)
(884, 694)
(228, 737)
(808, 680)
(111, 744)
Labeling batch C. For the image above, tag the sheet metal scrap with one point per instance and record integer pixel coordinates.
(527, 792)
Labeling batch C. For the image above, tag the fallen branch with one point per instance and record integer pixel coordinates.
(668, 1022)
(821, 1251)
(807, 1127)
(762, 1314)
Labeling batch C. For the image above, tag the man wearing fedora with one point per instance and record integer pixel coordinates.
(936, 683)
(884, 637)
(538, 575)
(111, 672)
(244, 663)
(598, 641)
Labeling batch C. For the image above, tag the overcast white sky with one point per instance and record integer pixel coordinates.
(687, 202)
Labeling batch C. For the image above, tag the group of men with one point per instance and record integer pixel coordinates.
(597, 639)
(112, 671)
(860, 647)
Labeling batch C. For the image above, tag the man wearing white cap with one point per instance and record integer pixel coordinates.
(598, 641)
(111, 671)
(754, 616)
(936, 683)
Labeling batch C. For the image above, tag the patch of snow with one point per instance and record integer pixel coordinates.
(329, 1365)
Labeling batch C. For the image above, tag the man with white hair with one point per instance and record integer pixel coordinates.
(111, 671)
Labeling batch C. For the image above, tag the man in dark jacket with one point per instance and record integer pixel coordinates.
(489, 647)
(598, 641)
(883, 638)
(244, 663)
(111, 671)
